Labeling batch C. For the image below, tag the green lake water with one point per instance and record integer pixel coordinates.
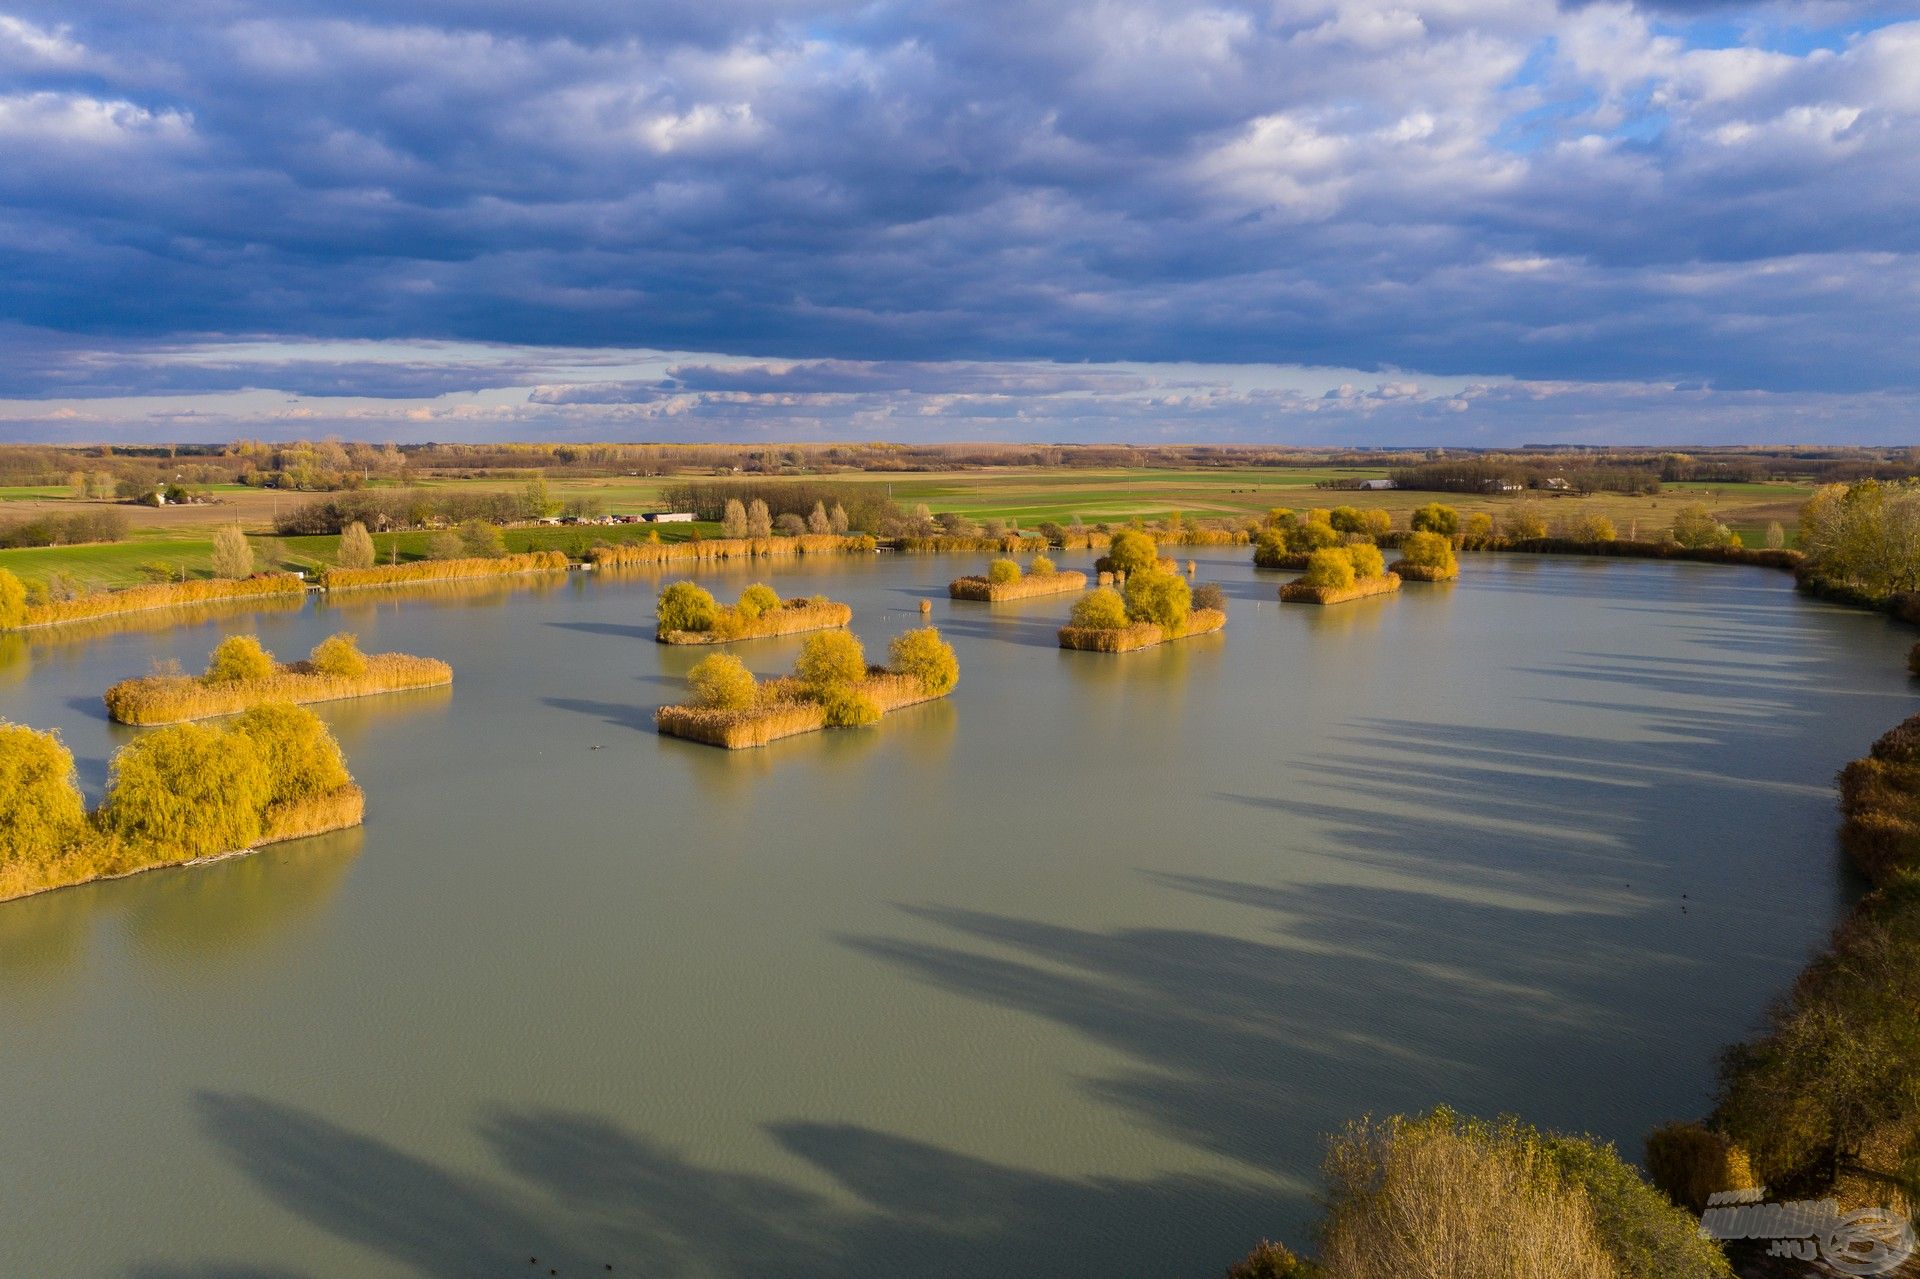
(1064, 975)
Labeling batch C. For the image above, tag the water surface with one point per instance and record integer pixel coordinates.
(1063, 975)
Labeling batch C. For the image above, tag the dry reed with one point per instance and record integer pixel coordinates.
(158, 595)
(1125, 639)
(170, 699)
(353, 579)
(979, 588)
(1424, 572)
(1301, 593)
(791, 618)
(637, 554)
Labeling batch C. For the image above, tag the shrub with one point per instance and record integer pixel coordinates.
(356, 547)
(1428, 550)
(817, 520)
(1776, 536)
(1695, 526)
(722, 682)
(757, 599)
(1002, 572)
(1367, 560)
(1478, 528)
(232, 557)
(733, 518)
(194, 789)
(787, 524)
(446, 545)
(301, 758)
(13, 601)
(1375, 522)
(1331, 568)
(1132, 552)
(41, 813)
(1444, 1195)
(1042, 567)
(481, 540)
(1523, 522)
(924, 656)
(1347, 519)
(1270, 1260)
(1210, 595)
(759, 519)
(339, 655)
(686, 606)
(1159, 597)
(830, 660)
(847, 706)
(1270, 549)
(1591, 528)
(1436, 1196)
(1690, 1163)
(1315, 535)
(1435, 517)
(238, 658)
(1100, 610)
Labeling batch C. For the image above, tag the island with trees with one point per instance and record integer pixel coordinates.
(241, 674)
(1005, 580)
(831, 687)
(687, 613)
(1337, 574)
(1426, 557)
(181, 795)
(1152, 607)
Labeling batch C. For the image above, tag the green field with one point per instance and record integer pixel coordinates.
(181, 537)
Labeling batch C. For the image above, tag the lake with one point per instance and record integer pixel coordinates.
(1065, 974)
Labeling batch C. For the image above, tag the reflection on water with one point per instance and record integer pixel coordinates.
(1063, 974)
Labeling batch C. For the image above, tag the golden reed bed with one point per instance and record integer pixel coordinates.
(782, 712)
(353, 579)
(791, 618)
(170, 699)
(1301, 593)
(1124, 639)
(979, 588)
(1424, 572)
(106, 858)
(140, 599)
(631, 554)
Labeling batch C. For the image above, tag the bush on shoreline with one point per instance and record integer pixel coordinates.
(687, 613)
(173, 795)
(1005, 580)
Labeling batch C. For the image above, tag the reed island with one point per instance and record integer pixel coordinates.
(1005, 580)
(1152, 606)
(831, 687)
(1338, 574)
(181, 795)
(241, 674)
(1426, 557)
(687, 613)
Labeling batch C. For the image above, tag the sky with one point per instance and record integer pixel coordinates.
(1347, 222)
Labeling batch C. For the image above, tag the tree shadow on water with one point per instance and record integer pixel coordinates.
(582, 1194)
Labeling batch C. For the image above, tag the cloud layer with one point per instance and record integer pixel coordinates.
(932, 209)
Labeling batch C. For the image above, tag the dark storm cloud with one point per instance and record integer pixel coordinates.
(1579, 193)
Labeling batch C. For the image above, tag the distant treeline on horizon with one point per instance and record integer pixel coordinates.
(332, 465)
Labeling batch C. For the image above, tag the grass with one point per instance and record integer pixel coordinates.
(170, 699)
